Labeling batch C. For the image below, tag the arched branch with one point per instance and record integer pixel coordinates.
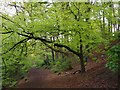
(55, 44)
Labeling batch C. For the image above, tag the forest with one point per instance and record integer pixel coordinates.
(60, 45)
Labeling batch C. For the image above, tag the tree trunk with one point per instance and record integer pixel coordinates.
(81, 58)
(82, 64)
(118, 30)
(52, 51)
(109, 25)
(53, 56)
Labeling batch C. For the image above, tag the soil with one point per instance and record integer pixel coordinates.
(96, 76)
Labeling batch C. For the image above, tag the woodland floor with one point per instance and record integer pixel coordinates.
(96, 76)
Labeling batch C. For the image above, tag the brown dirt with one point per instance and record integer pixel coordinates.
(96, 76)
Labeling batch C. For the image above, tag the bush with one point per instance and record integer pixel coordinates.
(17, 67)
(60, 65)
(113, 58)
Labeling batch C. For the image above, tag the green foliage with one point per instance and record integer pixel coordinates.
(67, 22)
(16, 68)
(11, 72)
(60, 65)
(116, 35)
(113, 58)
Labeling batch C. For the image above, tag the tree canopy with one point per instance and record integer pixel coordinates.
(78, 27)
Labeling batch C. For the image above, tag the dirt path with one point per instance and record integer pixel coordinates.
(97, 76)
(36, 78)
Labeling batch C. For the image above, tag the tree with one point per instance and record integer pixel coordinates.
(73, 25)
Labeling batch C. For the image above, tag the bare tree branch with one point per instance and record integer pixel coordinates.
(56, 50)
(36, 38)
(7, 32)
(7, 36)
(12, 22)
(16, 45)
(76, 6)
(68, 48)
(73, 13)
(16, 6)
(56, 44)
